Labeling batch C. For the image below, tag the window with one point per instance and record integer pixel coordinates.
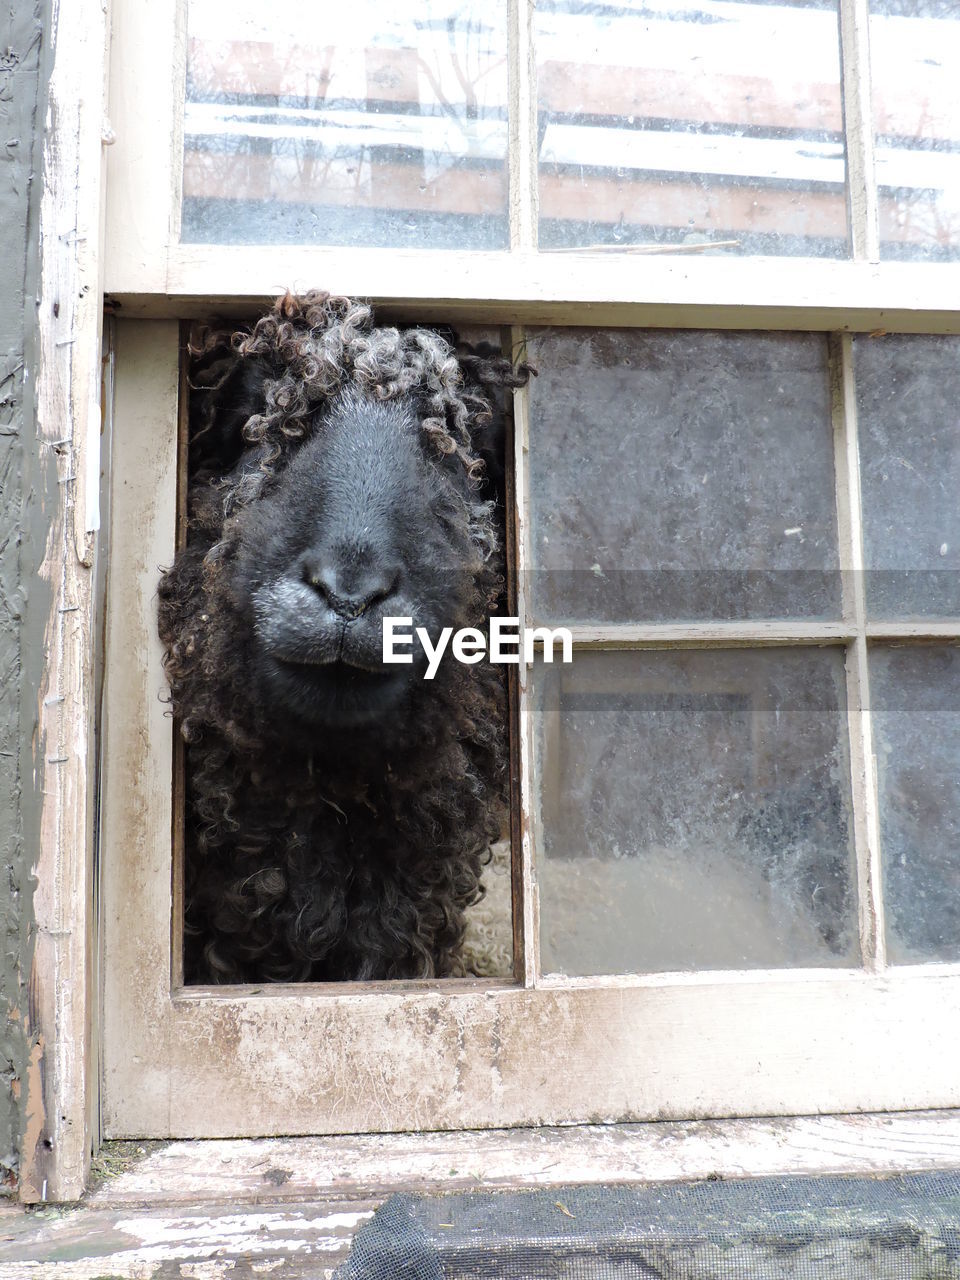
(733, 480)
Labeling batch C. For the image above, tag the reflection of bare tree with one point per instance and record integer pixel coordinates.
(467, 84)
(315, 164)
(923, 218)
(305, 165)
(471, 63)
(444, 71)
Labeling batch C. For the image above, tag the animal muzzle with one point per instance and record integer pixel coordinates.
(317, 626)
(352, 595)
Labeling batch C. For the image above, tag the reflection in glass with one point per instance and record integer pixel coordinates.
(695, 808)
(908, 408)
(915, 697)
(362, 124)
(915, 64)
(681, 475)
(685, 122)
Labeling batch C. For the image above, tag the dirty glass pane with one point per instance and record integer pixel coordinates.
(363, 124)
(915, 697)
(681, 475)
(908, 404)
(915, 64)
(681, 123)
(695, 810)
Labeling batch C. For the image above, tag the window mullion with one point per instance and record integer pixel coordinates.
(522, 153)
(670, 635)
(529, 807)
(862, 203)
(862, 758)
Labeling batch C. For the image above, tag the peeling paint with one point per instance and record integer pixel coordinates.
(23, 602)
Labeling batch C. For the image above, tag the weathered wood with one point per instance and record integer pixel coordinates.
(569, 288)
(859, 720)
(526, 902)
(237, 1209)
(347, 1058)
(151, 273)
(61, 1087)
(749, 634)
(196, 1242)
(523, 154)
(368, 1166)
(858, 125)
(518, 890)
(146, 92)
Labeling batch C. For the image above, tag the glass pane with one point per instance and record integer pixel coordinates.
(696, 811)
(374, 124)
(681, 475)
(915, 61)
(915, 696)
(688, 122)
(908, 401)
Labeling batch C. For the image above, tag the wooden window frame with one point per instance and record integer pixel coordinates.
(461, 1054)
(148, 271)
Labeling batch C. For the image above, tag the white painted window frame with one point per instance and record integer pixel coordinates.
(381, 1057)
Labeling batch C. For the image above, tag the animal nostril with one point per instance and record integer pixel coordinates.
(323, 580)
(351, 593)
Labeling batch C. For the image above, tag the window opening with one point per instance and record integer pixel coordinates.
(342, 819)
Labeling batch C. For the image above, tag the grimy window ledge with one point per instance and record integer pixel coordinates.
(292, 1206)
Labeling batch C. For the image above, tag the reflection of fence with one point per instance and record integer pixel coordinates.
(667, 122)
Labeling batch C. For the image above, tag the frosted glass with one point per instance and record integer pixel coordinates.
(908, 404)
(681, 475)
(366, 124)
(915, 697)
(693, 122)
(695, 809)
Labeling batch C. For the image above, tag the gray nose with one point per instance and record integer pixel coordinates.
(351, 589)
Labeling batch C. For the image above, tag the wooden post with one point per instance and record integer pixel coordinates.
(61, 1095)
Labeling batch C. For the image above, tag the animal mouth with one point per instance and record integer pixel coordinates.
(337, 693)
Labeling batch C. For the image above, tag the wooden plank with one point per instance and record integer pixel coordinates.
(60, 1102)
(196, 1242)
(357, 1167)
(208, 1209)
(317, 1061)
(571, 288)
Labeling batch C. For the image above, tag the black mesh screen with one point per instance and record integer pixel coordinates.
(832, 1228)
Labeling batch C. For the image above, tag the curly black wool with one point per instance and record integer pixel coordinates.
(338, 810)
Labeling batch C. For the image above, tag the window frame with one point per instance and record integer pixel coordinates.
(549, 1050)
(149, 273)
